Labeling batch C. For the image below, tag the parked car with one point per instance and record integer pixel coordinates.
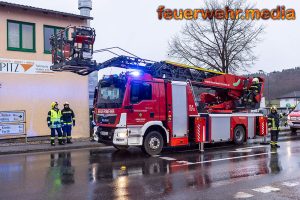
(294, 119)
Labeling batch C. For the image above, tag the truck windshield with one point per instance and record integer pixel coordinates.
(110, 95)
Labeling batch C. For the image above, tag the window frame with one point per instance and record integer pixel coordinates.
(55, 32)
(20, 23)
(141, 87)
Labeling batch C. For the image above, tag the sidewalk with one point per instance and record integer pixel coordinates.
(43, 144)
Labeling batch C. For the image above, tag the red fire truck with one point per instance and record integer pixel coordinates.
(160, 104)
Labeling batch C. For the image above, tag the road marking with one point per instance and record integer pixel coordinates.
(184, 162)
(242, 195)
(290, 184)
(246, 149)
(168, 158)
(266, 189)
(230, 158)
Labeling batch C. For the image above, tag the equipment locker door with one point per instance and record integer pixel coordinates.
(179, 105)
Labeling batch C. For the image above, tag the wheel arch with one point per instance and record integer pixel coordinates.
(157, 126)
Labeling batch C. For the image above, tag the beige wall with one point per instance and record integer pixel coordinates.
(35, 92)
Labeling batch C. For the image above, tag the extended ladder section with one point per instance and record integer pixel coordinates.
(72, 50)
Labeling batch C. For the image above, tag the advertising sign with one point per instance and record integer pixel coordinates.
(24, 66)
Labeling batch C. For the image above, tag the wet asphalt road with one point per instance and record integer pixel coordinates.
(255, 173)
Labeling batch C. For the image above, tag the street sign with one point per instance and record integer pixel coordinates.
(12, 129)
(12, 116)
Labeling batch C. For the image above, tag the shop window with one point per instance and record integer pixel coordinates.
(20, 36)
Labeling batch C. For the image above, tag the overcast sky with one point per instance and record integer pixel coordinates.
(133, 25)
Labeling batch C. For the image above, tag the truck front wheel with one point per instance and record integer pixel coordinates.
(239, 135)
(153, 143)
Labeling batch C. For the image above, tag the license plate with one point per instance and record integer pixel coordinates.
(104, 133)
(86, 55)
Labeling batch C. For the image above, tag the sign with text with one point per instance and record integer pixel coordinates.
(12, 129)
(24, 66)
(12, 116)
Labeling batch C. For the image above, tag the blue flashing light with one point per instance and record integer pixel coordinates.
(135, 73)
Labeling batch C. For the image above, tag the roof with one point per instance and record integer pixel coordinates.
(295, 94)
(25, 7)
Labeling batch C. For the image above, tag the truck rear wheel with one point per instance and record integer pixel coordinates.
(239, 135)
(119, 147)
(153, 143)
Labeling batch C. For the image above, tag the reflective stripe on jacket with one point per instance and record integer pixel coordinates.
(273, 121)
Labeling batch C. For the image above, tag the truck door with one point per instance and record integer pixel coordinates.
(144, 103)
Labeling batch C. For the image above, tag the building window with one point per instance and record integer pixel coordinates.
(20, 36)
(48, 32)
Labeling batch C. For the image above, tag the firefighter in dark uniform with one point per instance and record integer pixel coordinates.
(68, 117)
(54, 121)
(253, 90)
(273, 125)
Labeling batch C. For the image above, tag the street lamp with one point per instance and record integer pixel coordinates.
(268, 80)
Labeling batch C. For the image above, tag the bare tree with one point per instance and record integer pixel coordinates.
(223, 45)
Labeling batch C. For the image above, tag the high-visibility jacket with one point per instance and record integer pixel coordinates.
(54, 118)
(273, 121)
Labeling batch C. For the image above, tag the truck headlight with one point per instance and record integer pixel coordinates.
(122, 134)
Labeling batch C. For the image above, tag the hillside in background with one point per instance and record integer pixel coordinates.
(281, 83)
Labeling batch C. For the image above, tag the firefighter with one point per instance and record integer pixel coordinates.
(273, 125)
(68, 117)
(54, 121)
(253, 90)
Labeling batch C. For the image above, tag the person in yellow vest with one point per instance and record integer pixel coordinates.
(273, 125)
(54, 121)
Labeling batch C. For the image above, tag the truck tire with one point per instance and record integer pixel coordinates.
(153, 143)
(119, 147)
(239, 135)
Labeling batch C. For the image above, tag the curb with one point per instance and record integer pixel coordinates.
(28, 149)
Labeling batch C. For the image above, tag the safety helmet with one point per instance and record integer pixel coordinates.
(66, 103)
(273, 108)
(53, 104)
(255, 80)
